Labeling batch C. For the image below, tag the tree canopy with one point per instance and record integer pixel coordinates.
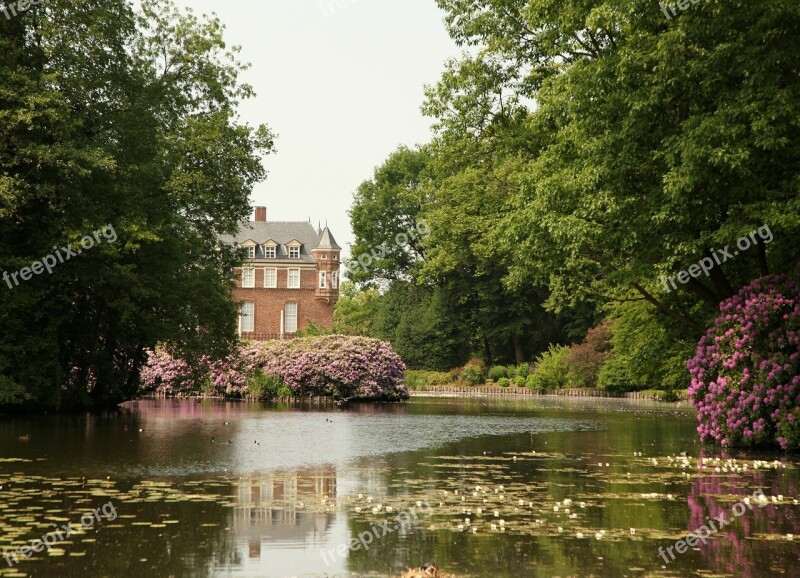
(586, 152)
(111, 116)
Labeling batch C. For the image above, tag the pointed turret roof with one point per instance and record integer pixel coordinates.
(326, 240)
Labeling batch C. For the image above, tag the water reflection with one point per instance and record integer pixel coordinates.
(758, 532)
(587, 488)
(280, 518)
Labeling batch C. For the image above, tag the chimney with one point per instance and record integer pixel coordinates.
(261, 214)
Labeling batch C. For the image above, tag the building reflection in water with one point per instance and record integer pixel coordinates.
(292, 507)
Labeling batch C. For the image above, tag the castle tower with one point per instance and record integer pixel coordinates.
(327, 253)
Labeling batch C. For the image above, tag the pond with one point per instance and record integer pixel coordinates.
(483, 488)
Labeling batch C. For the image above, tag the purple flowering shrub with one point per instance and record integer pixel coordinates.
(167, 375)
(746, 372)
(338, 365)
(334, 365)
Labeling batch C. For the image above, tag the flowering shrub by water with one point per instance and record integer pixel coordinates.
(746, 372)
(336, 365)
(165, 374)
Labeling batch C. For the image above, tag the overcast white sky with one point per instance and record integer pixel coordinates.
(341, 83)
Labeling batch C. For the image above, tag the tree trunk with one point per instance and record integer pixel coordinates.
(762, 259)
(487, 352)
(519, 355)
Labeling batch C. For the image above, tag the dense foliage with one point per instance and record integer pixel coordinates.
(125, 117)
(329, 365)
(551, 370)
(587, 358)
(746, 373)
(583, 151)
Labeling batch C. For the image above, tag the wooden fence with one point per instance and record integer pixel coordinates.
(481, 391)
(266, 336)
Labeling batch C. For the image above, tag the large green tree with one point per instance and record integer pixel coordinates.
(120, 119)
(661, 140)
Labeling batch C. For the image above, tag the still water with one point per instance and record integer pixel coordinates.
(483, 488)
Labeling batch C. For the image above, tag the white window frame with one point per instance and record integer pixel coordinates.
(270, 252)
(323, 280)
(294, 252)
(252, 283)
(251, 252)
(274, 284)
(289, 326)
(334, 280)
(335, 257)
(247, 313)
(324, 257)
(289, 279)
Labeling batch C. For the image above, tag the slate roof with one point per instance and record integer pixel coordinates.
(326, 240)
(283, 232)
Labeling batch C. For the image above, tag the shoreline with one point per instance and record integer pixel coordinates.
(523, 392)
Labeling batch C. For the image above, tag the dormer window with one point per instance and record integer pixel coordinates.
(294, 252)
(251, 252)
(269, 252)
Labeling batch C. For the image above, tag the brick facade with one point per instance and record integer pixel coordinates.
(318, 253)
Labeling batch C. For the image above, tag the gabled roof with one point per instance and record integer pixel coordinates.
(326, 240)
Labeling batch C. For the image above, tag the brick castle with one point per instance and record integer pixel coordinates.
(290, 278)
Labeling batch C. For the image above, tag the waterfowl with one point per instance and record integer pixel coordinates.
(25, 438)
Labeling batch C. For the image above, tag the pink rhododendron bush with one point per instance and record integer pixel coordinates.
(335, 365)
(746, 372)
(168, 375)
